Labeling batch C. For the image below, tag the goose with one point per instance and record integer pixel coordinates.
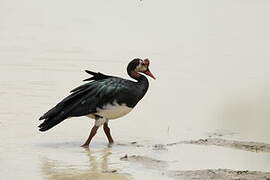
(104, 98)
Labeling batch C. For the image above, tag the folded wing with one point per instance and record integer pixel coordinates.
(84, 99)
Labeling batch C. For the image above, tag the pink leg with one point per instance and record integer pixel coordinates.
(107, 132)
(92, 134)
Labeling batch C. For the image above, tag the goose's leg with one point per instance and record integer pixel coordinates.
(99, 122)
(91, 135)
(107, 132)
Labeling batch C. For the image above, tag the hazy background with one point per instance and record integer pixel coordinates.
(211, 60)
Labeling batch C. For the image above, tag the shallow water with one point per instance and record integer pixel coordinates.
(210, 58)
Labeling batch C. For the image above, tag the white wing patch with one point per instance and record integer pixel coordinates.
(100, 121)
(112, 111)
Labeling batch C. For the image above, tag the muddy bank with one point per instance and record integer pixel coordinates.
(220, 174)
(242, 145)
(204, 174)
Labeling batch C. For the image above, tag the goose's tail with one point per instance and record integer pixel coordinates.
(52, 118)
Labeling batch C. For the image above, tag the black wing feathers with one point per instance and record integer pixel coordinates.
(96, 76)
(83, 100)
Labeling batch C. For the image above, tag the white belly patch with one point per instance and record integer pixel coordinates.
(112, 111)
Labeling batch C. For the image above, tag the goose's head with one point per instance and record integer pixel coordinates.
(140, 66)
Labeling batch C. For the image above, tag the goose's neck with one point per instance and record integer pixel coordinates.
(142, 81)
(137, 76)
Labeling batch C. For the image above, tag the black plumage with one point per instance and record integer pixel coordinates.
(100, 91)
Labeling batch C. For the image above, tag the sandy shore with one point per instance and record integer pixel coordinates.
(247, 146)
(221, 174)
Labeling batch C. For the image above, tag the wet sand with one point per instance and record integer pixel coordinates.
(247, 146)
(221, 174)
(206, 116)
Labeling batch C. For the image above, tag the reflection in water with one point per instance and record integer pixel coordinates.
(97, 168)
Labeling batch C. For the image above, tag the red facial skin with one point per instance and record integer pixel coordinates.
(148, 72)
